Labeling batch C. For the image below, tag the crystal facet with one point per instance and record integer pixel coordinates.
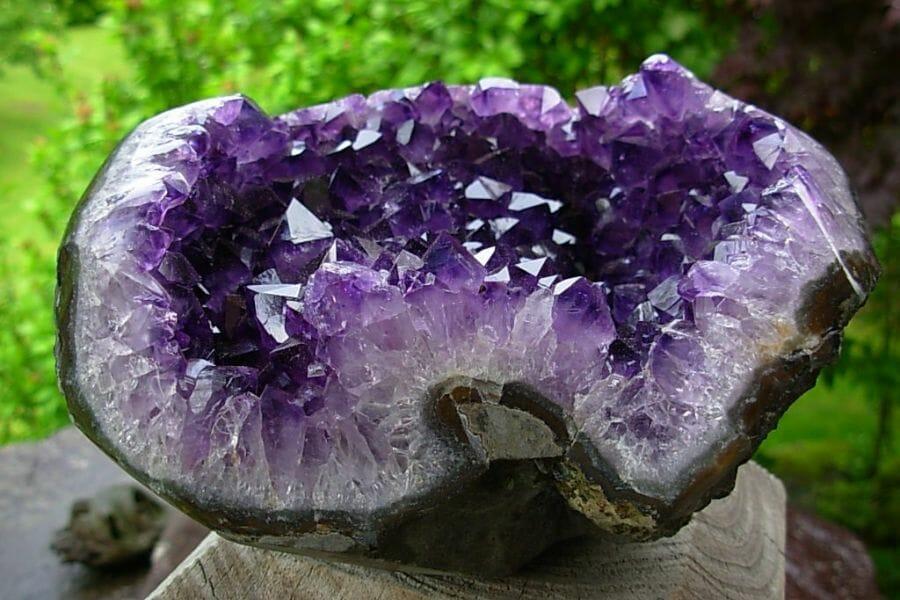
(323, 331)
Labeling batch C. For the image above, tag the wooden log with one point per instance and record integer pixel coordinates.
(732, 549)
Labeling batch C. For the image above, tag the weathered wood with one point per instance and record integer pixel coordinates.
(732, 549)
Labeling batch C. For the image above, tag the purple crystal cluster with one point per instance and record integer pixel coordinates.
(254, 310)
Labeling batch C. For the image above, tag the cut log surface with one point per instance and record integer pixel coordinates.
(732, 549)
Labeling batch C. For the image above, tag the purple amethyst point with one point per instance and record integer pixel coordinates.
(387, 329)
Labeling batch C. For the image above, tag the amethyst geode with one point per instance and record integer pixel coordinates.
(446, 326)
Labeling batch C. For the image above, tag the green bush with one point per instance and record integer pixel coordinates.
(27, 34)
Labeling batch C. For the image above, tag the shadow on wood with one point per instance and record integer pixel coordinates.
(732, 549)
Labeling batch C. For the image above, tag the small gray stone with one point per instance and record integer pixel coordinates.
(119, 524)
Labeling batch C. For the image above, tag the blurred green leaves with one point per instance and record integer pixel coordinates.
(301, 51)
(28, 34)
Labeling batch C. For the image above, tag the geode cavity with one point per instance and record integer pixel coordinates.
(446, 326)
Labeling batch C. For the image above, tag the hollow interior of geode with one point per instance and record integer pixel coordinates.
(531, 217)
(321, 290)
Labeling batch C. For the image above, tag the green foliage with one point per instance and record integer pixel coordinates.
(28, 34)
(80, 12)
(30, 405)
(31, 219)
(303, 51)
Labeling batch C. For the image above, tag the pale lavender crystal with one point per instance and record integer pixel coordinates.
(255, 312)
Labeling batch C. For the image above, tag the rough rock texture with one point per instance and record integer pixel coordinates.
(118, 525)
(393, 327)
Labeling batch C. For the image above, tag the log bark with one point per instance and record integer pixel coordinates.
(734, 548)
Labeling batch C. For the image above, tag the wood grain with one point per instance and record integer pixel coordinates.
(732, 549)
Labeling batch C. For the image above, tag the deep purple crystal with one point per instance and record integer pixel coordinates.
(255, 312)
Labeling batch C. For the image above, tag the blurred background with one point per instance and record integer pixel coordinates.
(76, 75)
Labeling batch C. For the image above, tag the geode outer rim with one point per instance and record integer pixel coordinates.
(713, 477)
(793, 372)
